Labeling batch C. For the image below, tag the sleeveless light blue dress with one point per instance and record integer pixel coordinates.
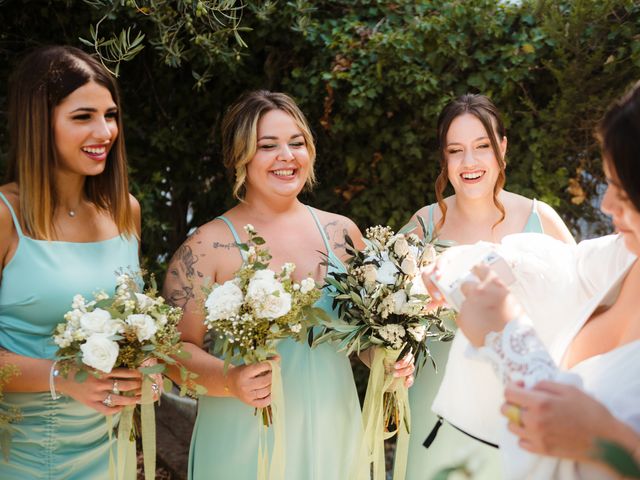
(450, 447)
(322, 411)
(56, 439)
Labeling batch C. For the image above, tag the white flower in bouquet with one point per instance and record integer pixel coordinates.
(145, 303)
(428, 255)
(399, 301)
(287, 269)
(78, 303)
(267, 296)
(99, 321)
(392, 334)
(370, 274)
(401, 246)
(295, 328)
(409, 266)
(144, 325)
(307, 285)
(386, 273)
(224, 301)
(418, 332)
(100, 352)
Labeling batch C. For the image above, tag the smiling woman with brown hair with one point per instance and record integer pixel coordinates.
(67, 224)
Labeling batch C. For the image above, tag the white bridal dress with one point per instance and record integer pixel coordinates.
(560, 286)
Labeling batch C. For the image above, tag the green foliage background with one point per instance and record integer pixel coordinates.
(371, 76)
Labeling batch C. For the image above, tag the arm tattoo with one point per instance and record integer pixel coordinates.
(182, 271)
(226, 246)
(336, 233)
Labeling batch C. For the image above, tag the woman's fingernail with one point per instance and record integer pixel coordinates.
(437, 296)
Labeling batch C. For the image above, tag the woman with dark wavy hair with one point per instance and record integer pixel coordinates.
(67, 224)
(473, 145)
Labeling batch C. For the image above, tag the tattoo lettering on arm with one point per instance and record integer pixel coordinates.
(226, 246)
(182, 272)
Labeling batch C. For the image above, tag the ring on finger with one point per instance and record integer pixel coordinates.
(155, 388)
(108, 402)
(514, 414)
(114, 388)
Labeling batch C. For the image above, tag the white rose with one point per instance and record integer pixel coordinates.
(429, 255)
(399, 301)
(143, 324)
(144, 302)
(307, 285)
(409, 266)
(99, 321)
(370, 273)
(100, 353)
(267, 296)
(224, 301)
(386, 273)
(401, 246)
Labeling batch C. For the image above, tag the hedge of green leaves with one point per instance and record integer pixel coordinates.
(372, 77)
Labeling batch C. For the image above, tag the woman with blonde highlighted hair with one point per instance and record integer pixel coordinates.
(473, 145)
(67, 225)
(269, 152)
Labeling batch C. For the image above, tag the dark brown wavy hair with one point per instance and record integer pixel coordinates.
(484, 110)
(618, 133)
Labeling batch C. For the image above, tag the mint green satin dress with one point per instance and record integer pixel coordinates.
(322, 412)
(56, 439)
(451, 447)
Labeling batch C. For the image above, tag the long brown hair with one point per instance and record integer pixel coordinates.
(44, 78)
(240, 133)
(484, 110)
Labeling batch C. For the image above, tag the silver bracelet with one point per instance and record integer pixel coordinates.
(53, 373)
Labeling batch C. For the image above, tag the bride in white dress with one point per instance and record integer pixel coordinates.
(596, 347)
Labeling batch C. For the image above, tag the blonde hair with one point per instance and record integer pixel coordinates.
(484, 110)
(41, 81)
(240, 133)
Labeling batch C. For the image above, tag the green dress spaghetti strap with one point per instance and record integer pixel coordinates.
(56, 439)
(323, 419)
(450, 447)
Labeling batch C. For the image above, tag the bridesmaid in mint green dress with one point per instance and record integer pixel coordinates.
(67, 225)
(269, 150)
(473, 145)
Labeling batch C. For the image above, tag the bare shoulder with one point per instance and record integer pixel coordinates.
(553, 224)
(336, 227)
(197, 262)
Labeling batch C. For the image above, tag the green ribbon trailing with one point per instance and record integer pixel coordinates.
(126, 466)
(276, 467)
(148, 429)
(386, 396)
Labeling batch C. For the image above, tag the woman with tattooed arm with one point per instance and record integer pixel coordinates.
(268, 149)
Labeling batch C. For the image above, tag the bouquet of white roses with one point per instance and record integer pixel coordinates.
(249, 315)
(382, 303)
(130, 329)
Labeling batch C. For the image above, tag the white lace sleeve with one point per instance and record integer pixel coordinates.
(517, 354)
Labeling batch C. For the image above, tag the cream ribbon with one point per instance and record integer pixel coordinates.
(373, 414)
(276, 467)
